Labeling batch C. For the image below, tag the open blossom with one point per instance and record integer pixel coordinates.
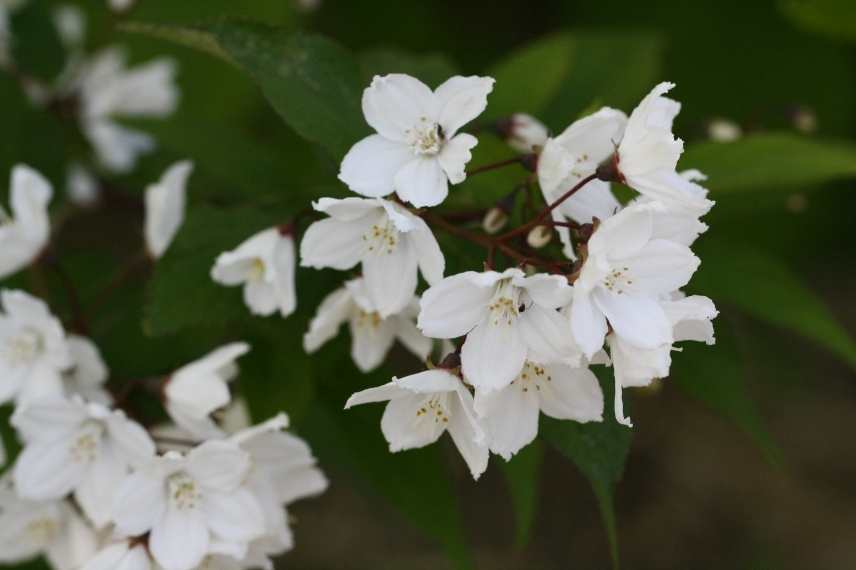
(33, 349)
(88, 372)
(25, 233)
(510, 414)
(190, 503)
(72, 446)
(422, 407)
(50, 528)
(389, 241)
(264, 264)
(165, 204)
(371, 334)
(417, 150)
(506, 317)
(690, 318)
(108, 91)
(574, 155)
(648, 154)
(198, 389)
(627, 270)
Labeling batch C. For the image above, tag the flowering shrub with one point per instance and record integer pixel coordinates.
(471, 308)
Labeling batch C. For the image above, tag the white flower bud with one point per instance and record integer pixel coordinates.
(723, 130)
(539, 236)
(81, 186)
(525, 132)
(494, 220)
(805, 121)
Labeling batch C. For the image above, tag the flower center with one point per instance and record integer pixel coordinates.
(257, 270)
(531, 376)
(382, 237)
(434, 408)
(425, 138)
(504, 306)
(42, 531)
(368, 319)
(183, 492)
(618, 280)
(23, 348)
(84, 448)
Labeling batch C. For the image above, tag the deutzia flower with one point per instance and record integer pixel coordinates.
(198, 389)
(648, 155)
(25, 234)
(422, 407)
(388, 240)
(416, 151)
(108, 91)
(574, 155)
(79, 447)
(510, 414)
(189, 503)
(690, 318)
(33, 349)
(264, 264)
(371, 335)
(53, 528)
(165, 204)
(506, 317)
(88, 373)
(627, 269)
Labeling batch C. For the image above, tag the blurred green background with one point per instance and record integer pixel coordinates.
(742, 458)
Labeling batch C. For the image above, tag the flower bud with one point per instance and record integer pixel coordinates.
(524, 133)
(539, 236)
(494, 220)
(804, 120)
(723, 130)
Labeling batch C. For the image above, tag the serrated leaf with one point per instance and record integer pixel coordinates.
(764, 287)
(771, 160)
(522, 475)
(599, 450)
(431, 69)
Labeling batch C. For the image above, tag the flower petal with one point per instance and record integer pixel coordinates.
(588, 324)
(404, 428)
(370, 341)
(139, 502)
(370, 166)
(394, 103)
(47, 470)
(422, 182)
(660, 267)
(428, 252)
(390, 276)
(547, 336)
(452, 307)
(468, 436)
(571, 394)
(334, 243)
(493, 354)
(332, 312)
(455, 156)
(510, 416)
(461, 100)
(218, 465)
(638, 320)
(179, 541)
(98, 485)
(234, 516)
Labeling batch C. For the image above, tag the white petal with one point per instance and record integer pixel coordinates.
(180, 539)
(638, 366)
(452, 307)
(422, 182)
(97, 487)
(261, 298)
(165, 204)
(47, 420)
(139, 503)
(571, 394)
(588, 324)
(370, 166)
(404, 429)
(235, 267)
(428, 252)
(130, 439)
(334, 243)
(455, 156)
(462, 99)
(332, 312)
(467, 435)
(390, 277)
(548, 291)
(384, 393)
(510, 416)
(622, 235)
(547, 336)
(618, 404)
(394, 103)
(347, 209)
(284, 266)
(234, 516)
(411, 337)
(493, 354)
(370, 341)
(638, 320)
(117, 147)
(648, 143)
(218, 465)
(691, 317)
(46, 470)
(660, 267)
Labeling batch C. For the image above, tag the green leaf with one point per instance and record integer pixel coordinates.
(599, 450)
(766, 288)
(835, 19)
(311, 81)
(716, 376)
(523, 474)
(771, 160)
(36, 47)
(529, 78)
(431, 69)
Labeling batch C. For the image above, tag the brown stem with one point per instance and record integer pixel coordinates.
(119, 278)
(79, 322)
(494, 166)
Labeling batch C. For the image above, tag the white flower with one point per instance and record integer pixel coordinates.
(121, 555)
(574, 155)
(421, 407)
(506, 317)
(371, 335)
(690, 319)
(524, 133)
(198, 389)
(627, 269)
(109, 91)
(25, 234)
(189, 503)
(88, 372)
(648, 155)
(70, 24)
(165, 205)
(53, 528)
(81, 186)
(72, 446)
(510, 415)
(264, 264)
(33, 349)
(389, 241)
(416, 152)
